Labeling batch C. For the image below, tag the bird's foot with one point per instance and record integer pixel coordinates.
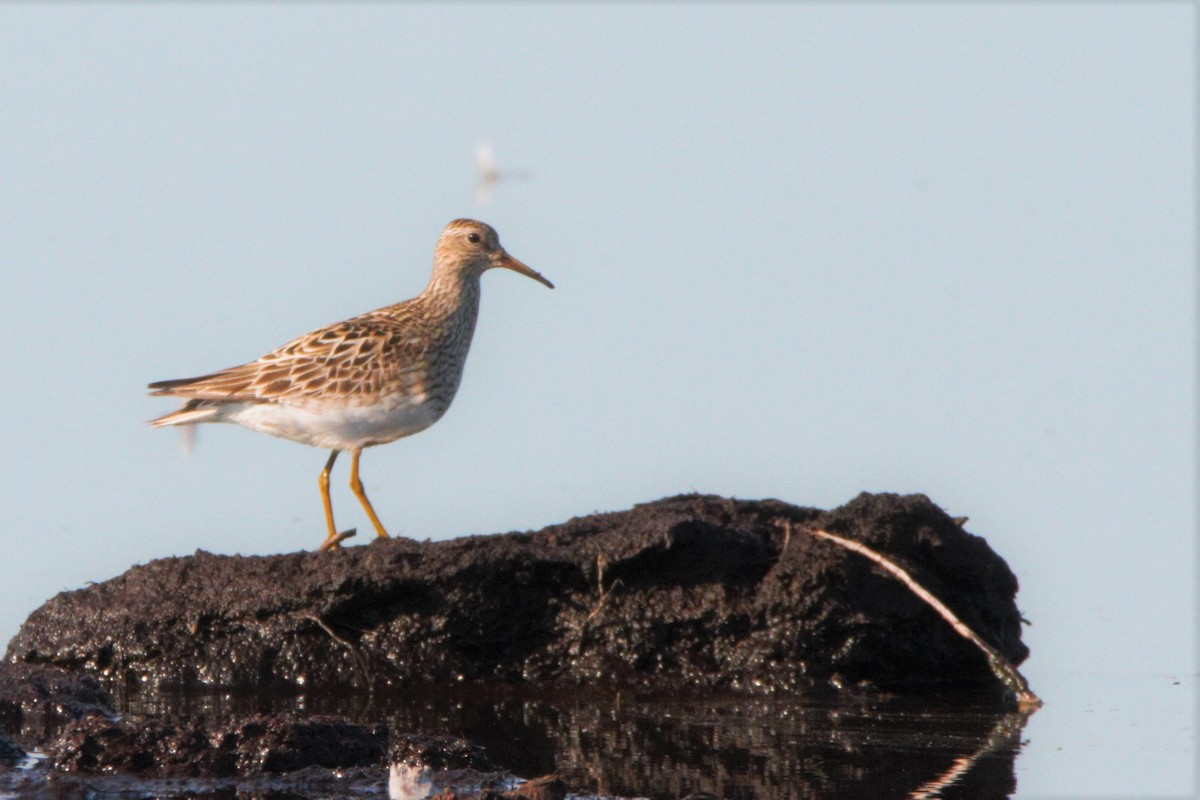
(335, 542)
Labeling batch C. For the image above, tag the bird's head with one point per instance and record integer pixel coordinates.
(471, 245)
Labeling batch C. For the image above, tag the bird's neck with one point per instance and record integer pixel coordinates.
(452, 294)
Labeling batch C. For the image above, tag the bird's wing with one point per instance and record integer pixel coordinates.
(355, 357)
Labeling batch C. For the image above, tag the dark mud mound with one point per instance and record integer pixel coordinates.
(696, 591)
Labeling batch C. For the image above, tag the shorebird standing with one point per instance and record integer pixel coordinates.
(370, 380)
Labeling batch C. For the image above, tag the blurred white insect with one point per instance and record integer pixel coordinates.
(489, 175)
(187, 439)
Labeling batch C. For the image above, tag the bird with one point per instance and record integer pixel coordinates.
(366, 381)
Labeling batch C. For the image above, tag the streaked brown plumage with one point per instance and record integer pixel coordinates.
(369, 380)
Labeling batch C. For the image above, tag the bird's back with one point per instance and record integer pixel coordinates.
(401, 348)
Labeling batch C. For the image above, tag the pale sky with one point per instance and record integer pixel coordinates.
(801, 251)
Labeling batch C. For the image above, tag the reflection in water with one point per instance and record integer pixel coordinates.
(628, 745)
(1005, 735)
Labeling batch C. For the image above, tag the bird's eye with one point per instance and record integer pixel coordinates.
(473, 238)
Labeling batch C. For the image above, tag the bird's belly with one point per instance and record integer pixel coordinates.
(339, 427)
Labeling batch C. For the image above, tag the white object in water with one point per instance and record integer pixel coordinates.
(408, 781)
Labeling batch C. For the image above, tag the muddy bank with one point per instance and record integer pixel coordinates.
(695, 591)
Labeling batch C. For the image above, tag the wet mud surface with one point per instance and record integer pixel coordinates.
(690, 591)
(696, 645)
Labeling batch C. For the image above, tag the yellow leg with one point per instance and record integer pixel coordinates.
(331, 538)
(357, 487)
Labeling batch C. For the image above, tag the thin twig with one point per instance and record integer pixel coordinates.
(336, 541)
(601, 566)
(1000, 666)
(354, 651)
(604, 593)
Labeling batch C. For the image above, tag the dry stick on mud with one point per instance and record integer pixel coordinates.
(346, 643)
(1001, 667)
(601, 565)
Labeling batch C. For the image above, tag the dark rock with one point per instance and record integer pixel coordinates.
(263, 744)
(688, 591)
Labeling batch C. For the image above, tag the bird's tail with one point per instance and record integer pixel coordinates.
(190, 414)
